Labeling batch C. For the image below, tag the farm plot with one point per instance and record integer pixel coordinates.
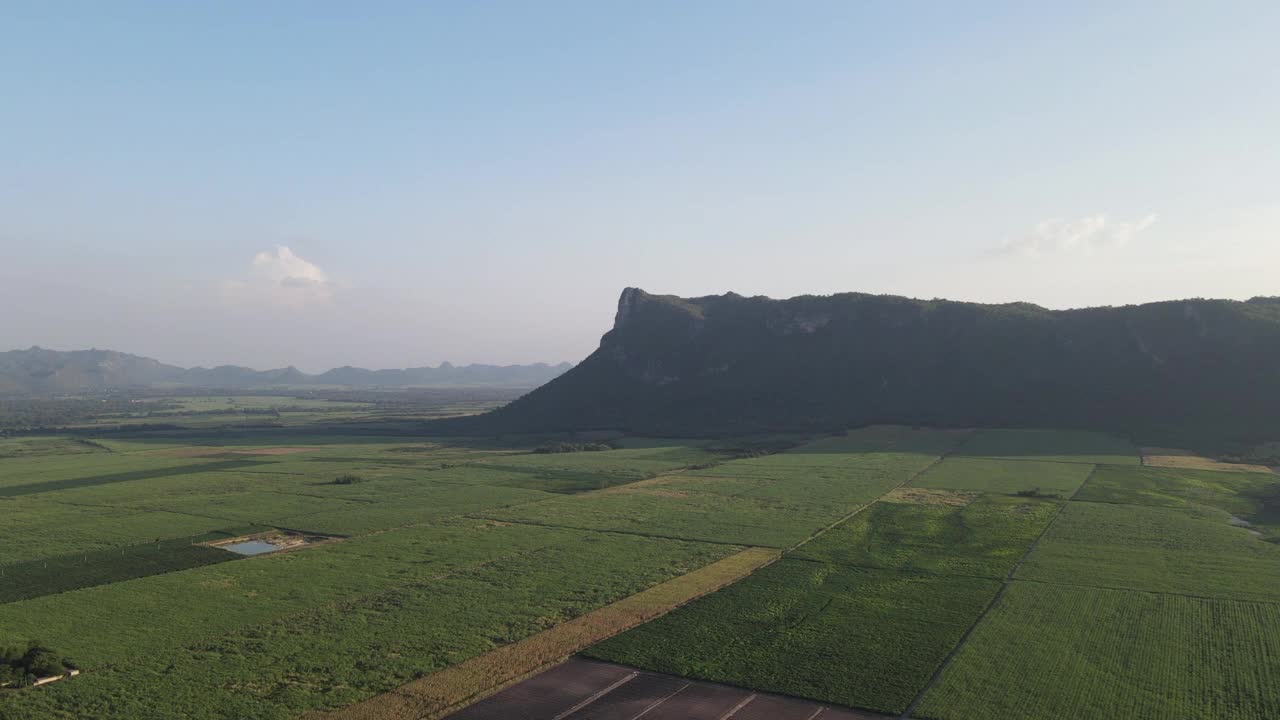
(409, 503)
(1247, 495)
(886, 438)
(26, 447)
(1049, 652)
(1005, 476)
(36, 529)
(1155, 549)
(774, 501)
(164, 611)
(49, 477)
(1175, 458)
(937, 532)
(376, 635)
(34, 578)
(865, 638)
(1052, 445)
(582, 471)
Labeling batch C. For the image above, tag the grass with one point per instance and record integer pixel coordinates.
(36, 529)
(1155, 549)
(127, 476)
(858, 637)
(1049, 652)
(983, 537)
(34, 578)
(436, 694)
(1005, 476)
(325, 655)
(861, 615)
(1252, 496)
(773, 501)
(1073, 446)
(40, 446)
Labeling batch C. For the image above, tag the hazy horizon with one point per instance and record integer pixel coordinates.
(324, 184)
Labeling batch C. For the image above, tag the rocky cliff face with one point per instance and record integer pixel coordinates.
(729, 363)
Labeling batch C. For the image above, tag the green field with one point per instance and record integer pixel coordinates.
(1006, 476)
(1049, 652)
(984, 537)
(34, 578)
(1156, 549)
(1250, 496)
(895, 540)
(866, 638)
(1069, 446)
(774, 501)
(249, 645)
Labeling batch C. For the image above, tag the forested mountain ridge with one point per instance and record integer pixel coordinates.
(732, 363)
(38, 370)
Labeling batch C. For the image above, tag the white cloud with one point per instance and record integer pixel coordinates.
(283, 278)
(1087, 235)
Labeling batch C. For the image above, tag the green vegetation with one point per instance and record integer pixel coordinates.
(24, 664)
(52, 485)
(984, 536)
(445, 690)
(1155, 549)
(1009, 477)
(33, 578)
(272, 640)
(773, 501)
(480, 555)
(1048, 652)
(1064, 446)
(866, 638)
(1254, 497)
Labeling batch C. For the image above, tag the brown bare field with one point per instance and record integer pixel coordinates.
(927, 496)
(1175, 458)
(440, 693)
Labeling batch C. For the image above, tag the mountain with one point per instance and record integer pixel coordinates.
(37, 370)
(730, 363)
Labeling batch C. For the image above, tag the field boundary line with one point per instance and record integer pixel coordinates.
(995, 602)
(910, 479)
(1115, 588)
(632, 533)
(1083, 485)
(1035, 460)
(454, 687)
(599, 694)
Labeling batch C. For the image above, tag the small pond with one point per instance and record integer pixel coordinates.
(251, 547)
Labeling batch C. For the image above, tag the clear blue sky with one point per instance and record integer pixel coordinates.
(478, 181)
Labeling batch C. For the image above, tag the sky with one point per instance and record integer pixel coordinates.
(392, 184)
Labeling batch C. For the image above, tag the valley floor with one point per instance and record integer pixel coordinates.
(949, 575)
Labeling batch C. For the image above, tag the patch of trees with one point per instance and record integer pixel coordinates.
(1037, 493)
(22, 664)
(571, 447)
(347, 479)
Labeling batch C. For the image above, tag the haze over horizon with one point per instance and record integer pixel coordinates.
(323, 184)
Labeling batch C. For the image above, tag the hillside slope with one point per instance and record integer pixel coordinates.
(731, 363)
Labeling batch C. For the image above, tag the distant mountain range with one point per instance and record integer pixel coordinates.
(730, 363)
(37, 370)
